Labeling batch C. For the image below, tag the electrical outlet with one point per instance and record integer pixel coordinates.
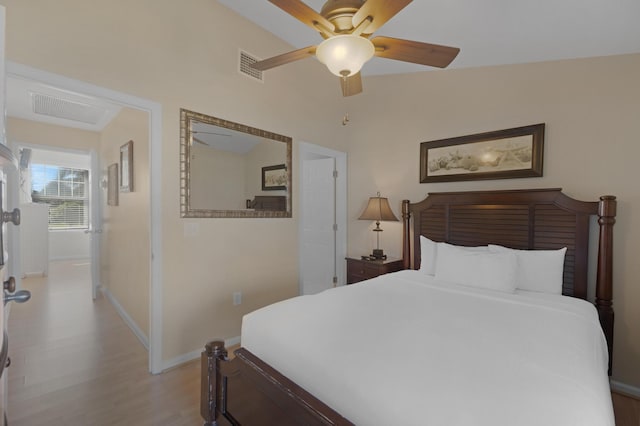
(237, 298)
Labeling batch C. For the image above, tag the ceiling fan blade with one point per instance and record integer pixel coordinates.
(285, 58)
(351, 85)
(304, 14)
(433, 55)
(380, 11)
(199, 141)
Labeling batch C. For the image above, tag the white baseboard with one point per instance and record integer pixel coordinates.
(127, 319)
(34, 274)
(181, 359)
(625, 388)
(65, 258)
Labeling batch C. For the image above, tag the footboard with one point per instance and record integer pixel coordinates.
(247, 391)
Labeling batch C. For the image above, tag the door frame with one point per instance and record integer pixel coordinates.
(95, 207)
(154, 110)
(95, 221)
(308, 151)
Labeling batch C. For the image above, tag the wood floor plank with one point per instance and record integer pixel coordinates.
(627, 409)
(75, 362)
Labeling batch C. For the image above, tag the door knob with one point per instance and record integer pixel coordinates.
(13, 216)
(10, 285)
(18, 297)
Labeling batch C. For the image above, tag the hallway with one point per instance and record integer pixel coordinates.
(75, 362)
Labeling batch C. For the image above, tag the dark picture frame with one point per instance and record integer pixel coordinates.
(112, 184)
(501, 154)
(126, 167)
(274, 178)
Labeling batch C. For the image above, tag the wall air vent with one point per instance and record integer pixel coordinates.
(70, 110)
(245, 66)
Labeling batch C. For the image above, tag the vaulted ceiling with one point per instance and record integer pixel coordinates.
(488, 32)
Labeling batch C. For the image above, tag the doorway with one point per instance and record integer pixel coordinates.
(323, 218)
(60, 208)
(154, 112)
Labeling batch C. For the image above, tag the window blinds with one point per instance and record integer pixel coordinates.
(66, 191)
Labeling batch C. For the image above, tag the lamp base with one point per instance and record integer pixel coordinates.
(378, 254)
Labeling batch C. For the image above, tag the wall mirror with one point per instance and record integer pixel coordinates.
(232, 170)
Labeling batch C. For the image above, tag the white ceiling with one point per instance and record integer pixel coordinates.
(488, 32)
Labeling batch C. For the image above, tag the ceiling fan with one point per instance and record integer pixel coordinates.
(346, 26)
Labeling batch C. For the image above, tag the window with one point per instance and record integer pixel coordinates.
(66, 192)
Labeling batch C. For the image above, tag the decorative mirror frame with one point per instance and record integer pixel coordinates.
(186, 117)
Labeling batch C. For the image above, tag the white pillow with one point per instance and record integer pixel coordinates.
(483, 269)
(429, 254)
(538, 270)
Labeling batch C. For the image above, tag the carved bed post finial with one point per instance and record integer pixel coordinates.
(406, 244)
(604, 280)
(210, 380)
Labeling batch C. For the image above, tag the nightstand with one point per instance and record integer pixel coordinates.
(359, 269)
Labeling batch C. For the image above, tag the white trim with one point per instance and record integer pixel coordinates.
(126, 318)
(155, 155)
(305, 152)
(56, 258)
(181, 359)
(625, 388)
(95, 223)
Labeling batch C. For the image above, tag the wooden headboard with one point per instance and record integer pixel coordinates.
(522, 219)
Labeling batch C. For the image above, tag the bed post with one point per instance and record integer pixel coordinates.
(213, 353)
(604, 280)
(406, 235)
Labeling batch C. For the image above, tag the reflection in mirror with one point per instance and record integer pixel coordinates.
(232, 170)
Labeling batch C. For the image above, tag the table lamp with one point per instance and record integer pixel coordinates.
(378, 209)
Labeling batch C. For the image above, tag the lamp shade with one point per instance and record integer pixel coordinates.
(378, 209)
(345, 54)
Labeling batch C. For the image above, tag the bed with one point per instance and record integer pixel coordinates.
(413, 347)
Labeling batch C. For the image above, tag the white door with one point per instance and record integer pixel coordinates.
(318, 233)
(322, 232)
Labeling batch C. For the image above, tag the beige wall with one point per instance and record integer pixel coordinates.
(31, 132)
(186, 57)
(591, 110)
(125, 255)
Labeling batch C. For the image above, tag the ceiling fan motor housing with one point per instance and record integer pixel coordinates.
(340, 13)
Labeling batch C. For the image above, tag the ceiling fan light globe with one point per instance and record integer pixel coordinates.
(345, 55)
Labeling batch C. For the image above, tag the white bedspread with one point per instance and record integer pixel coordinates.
(404, 349)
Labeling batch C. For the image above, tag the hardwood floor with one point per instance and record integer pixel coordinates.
(75, 362)
(627, 410)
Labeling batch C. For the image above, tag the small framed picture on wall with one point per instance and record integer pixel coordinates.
(126, 167)
(112, 184)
